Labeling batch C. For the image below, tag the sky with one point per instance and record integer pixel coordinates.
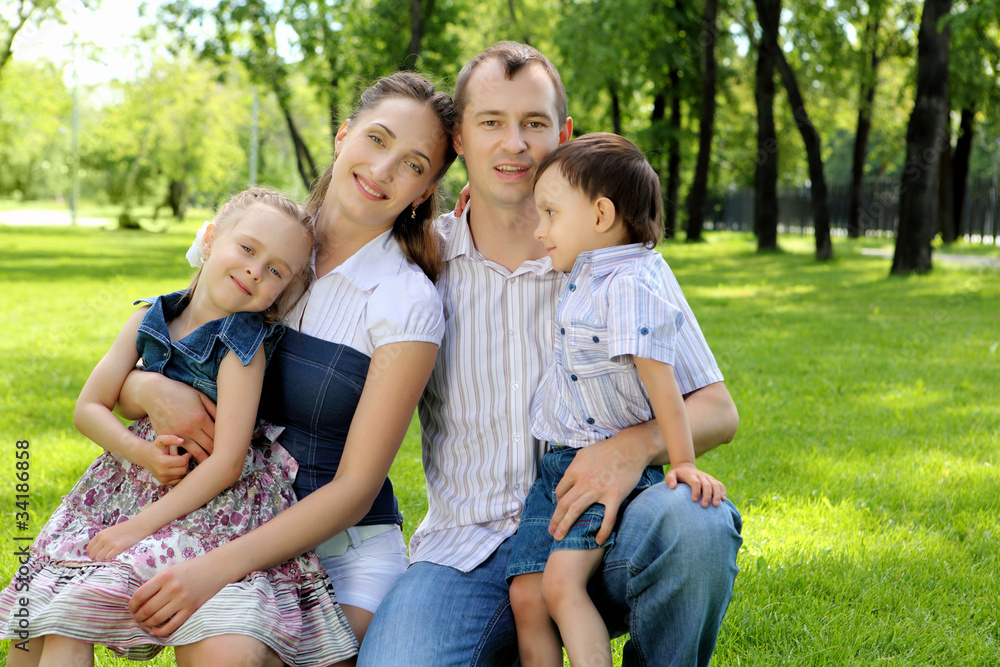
(108, 30)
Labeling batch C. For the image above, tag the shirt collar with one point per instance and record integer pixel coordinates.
(458, 241)
(605, 260)
(243, 333)
(377, 259)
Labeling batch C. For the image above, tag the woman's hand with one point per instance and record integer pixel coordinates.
(703, 485)
(166, 601)
(172, 407)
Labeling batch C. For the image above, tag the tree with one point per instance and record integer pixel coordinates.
(810, 136)
(706, 123)
(925, 137)
(24, 13)
(765, 203)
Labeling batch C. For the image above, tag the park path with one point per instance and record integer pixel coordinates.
(972, 260)
(47, 218)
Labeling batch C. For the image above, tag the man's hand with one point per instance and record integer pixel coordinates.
(114, 540)
(604, 473)
(462, 202)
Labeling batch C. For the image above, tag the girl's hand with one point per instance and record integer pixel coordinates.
(703, 485)
(164, 463)
(114, 540)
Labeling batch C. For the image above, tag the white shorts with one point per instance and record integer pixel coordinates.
(363, 575)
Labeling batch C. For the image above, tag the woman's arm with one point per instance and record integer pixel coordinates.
(239, 395)
(172, 407)
(396, 377)
(94, 418)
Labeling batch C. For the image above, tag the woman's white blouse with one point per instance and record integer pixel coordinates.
(376, 297)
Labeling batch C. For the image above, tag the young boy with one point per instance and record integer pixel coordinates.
(600, 209)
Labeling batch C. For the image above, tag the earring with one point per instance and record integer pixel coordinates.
(413, 212)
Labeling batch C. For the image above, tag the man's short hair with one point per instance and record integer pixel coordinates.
(512, 56)
(607, 165)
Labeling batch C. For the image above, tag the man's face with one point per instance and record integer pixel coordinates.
(507, 128)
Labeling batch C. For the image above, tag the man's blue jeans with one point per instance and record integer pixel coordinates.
(667, 581)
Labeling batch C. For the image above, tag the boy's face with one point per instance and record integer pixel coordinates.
(567, 223)
(507, 128)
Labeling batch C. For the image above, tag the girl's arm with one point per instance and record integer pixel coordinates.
(396, 377)
(668, 406)
(239, 394)
(94, 416)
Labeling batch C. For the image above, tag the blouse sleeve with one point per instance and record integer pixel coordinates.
(406, 308)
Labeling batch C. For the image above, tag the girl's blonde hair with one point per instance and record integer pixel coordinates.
(413, 229)
(258, 197)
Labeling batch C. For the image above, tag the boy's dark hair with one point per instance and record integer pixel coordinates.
(512, 56)
(607, 165)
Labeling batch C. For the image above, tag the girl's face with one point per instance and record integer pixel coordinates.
(386, 160)
(253, 261)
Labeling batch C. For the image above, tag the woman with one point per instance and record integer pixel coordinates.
(344, 384)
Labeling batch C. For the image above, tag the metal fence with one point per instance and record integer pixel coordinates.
(980, 221)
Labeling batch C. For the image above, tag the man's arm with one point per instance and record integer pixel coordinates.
(607, 472)
(172, 407)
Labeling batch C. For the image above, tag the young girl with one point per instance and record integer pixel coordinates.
(119, 525)
(600, 209)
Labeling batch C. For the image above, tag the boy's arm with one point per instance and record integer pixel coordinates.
(608, 471)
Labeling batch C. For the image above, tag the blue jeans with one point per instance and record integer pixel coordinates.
(667, 581)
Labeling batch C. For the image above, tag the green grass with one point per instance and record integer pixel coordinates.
(866, 464)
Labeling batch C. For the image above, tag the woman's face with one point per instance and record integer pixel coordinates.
(386, 161)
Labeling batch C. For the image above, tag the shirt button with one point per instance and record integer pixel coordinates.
(573, 378)
(513, 332)
(517, 438)
(562, 331)
(514, 386)
(644, 331)
(596, 339)
(590, 420)
(572, 287)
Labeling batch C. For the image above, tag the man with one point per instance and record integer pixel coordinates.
(668, 579)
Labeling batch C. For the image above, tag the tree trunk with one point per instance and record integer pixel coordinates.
(674, 157)
(946, 193)
(706, 124)
(616, 110)
(924, 143)
(8, 42)
(866, 101)
(960, 166)
(303, 158)
(765, 203)
(813, 144)
(416, 36)
(177, 198)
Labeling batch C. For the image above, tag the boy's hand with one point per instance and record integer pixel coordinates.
(462, 201)
(703, 485)
(165, 464)
(114, 540)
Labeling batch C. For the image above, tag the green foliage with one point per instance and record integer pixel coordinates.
(864, 467)
(34, 141)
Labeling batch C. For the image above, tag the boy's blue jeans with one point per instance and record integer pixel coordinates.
(667, 581)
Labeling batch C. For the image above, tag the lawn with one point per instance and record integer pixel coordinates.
(865, 467)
